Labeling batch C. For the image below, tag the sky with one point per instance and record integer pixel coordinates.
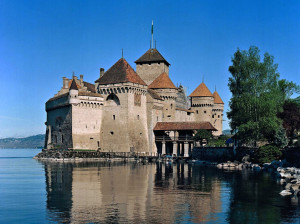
(42, 41)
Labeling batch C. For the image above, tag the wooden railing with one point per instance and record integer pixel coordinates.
(178, 138)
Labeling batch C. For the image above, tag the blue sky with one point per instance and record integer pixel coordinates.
(42, 41)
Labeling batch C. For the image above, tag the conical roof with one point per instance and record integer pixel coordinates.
(217, 98)
(163, 81)
(73, 85)
(201, 90)
(152, 55)
(120, 72)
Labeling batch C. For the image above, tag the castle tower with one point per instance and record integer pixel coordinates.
(151, 65)
(73, 93)
(217, 113)
(202, 102)
(166, 89)
(124, 122)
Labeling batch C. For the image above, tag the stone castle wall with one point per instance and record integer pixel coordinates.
(149, 72)
(203, 108)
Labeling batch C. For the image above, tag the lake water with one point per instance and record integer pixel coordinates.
(101, 192)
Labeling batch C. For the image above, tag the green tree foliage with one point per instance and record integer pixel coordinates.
(267, 154)
(256, 96)
(291, 117)
(202, 134)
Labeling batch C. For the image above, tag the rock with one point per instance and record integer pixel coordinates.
(256, 167)
(297, 193)
(288, 186)
(282, 181)
(285, 193)
(294, 187)
(220, 165)
(246, 158)
(266, 165)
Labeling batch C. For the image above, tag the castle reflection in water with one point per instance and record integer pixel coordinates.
(117, 192)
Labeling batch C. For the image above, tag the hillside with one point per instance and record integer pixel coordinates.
(36, 141)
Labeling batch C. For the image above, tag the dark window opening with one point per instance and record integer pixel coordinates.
(205, 111)
(62, 139)
(112, 133)
(114, 117)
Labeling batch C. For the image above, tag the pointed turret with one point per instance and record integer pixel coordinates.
(120, 72)
(152, 55)
(217, 113)
(201, 90)
(217, 98)
(202, 101)
(73, 85)
(73, 92)
(162, 82)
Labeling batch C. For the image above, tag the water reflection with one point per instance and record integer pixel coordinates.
(158, 193)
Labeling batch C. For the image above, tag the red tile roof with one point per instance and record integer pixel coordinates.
(152, 55)
(217, 98)
(173, 126)
(163, 81)
(201, 90)
(90, 86)
(120, 72)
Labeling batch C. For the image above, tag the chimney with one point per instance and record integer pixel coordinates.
(101, 72)
(81, 78)
(65, 83)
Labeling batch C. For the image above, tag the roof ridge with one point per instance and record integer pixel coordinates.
(217, 98)
(163, 81)
(201, 90)
(73, 85)
(152, 55)
(120, 72)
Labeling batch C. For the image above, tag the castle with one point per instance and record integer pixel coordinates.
(131, 111)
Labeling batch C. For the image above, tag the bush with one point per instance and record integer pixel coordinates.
(267, 154)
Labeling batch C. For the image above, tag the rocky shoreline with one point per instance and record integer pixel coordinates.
(289, 176)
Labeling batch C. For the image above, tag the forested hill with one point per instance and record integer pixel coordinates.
(31, 142)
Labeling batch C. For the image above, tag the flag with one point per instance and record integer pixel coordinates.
(152, 28)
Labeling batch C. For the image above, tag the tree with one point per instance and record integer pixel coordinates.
(201, 135)
(290, 117)
(256, 97)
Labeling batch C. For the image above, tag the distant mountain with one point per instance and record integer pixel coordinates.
(31, 142)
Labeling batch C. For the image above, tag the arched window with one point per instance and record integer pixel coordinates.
(112, 100)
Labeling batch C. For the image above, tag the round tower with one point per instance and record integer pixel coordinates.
(202, 102)
(217, 114)
(73, 93)
(166, 89)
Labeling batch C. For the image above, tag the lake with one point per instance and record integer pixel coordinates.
(87, 192)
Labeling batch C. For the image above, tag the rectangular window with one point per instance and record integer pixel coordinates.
(137, 99)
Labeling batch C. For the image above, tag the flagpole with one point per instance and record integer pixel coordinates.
(152, 33)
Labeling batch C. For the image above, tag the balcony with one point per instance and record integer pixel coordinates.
(171, 138)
